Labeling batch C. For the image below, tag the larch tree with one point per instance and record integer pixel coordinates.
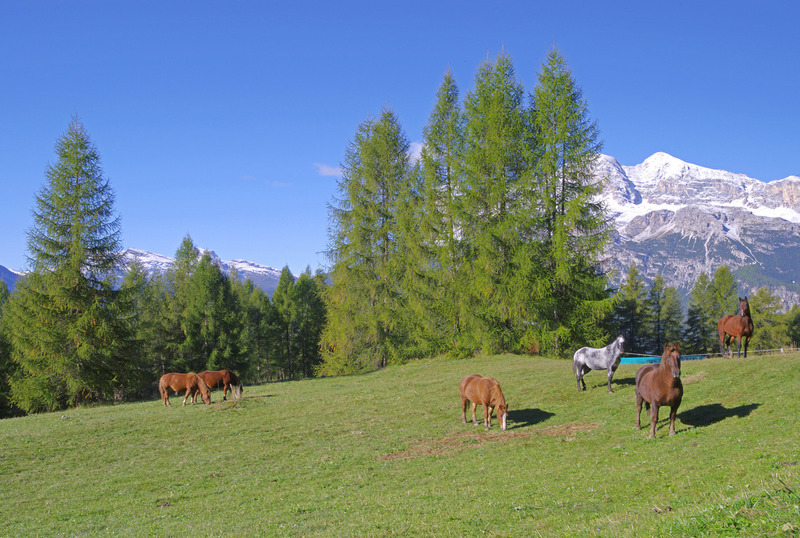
(495, 136)
(443, 293)
(574, 228)
(363, 300)
(68, 318)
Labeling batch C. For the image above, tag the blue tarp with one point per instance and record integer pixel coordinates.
(654, 359)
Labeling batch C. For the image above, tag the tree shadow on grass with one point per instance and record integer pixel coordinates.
(706, 415)
(527, 417)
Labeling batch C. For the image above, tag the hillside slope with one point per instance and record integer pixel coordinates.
(386, 453)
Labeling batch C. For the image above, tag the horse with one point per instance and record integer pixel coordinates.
(225, 379)
(589, 358)
(191, 383)
(736, 326)
(485, 391)
(660, 384)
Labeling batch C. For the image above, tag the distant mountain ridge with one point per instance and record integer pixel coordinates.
(671, 218)
(262, 276)
(678, 219)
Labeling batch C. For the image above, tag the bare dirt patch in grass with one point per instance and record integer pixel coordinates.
(468, 440)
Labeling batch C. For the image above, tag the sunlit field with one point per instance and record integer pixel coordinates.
(386, 453)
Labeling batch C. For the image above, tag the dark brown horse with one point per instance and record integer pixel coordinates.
(191, 383)
(739, 327)
(224, 379)
(660, 384)
(486, 392)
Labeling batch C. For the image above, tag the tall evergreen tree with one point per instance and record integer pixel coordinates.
(68, 320)
(282, 300)
(363, 300)
(573, 229)
(724, 293)
(772, 329)
(701, 320)
(443, 294)
(7, 366)
(494, 161)
(631, 313)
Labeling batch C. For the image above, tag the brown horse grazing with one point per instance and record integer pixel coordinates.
(660, 384)
(191, 383)
(485, 391)
(224, 379)
(739, 327)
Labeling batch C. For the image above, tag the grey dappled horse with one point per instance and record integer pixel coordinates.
(589, 358)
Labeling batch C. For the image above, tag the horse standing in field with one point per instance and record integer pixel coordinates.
(736, 326)
(191, 383)
(589, 358)
(486, 392)
(660, 384)
(224, 379)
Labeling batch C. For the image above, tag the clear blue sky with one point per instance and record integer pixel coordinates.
(221, 119)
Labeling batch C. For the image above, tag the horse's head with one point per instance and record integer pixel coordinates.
(205, 392)
(502, 414)
(744, 307)
(671, 359)
(621, 342)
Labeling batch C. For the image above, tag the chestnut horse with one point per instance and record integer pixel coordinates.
(485, 391)
(660, 384)
(191, 383)
(739, 327)
(224, 379)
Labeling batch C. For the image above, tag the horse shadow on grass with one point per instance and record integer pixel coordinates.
(706, 415)
(527, 417)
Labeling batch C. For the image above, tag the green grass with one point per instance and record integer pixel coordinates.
(386, 453)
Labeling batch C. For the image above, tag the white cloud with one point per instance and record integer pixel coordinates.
(415, 151)
(328, 170)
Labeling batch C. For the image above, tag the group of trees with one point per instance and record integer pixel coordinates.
(490, 242)
(71, 332)
(650, 316)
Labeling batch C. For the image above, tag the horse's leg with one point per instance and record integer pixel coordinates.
(746, 341)
(188, 392)
(673, 411)
(464, 410)
(653, 420)
(474, 420)
(610, 375)
(638, 409)
(579, 374)
(487, 416)
(225, 388)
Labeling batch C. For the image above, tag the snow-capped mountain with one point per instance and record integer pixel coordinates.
(263, 276)
(678, 219)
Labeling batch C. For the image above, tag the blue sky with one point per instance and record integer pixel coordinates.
(223, 120)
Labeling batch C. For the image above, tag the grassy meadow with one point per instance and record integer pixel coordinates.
(386, 453)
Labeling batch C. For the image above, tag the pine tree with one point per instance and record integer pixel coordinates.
(363, 300)
(7, 366)
(68, 320)
(283, 301)
(631, 313)
(573, 228)
(701, 320)
(210, 321)
(772, 329)
(309, 318)
(725, 296)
